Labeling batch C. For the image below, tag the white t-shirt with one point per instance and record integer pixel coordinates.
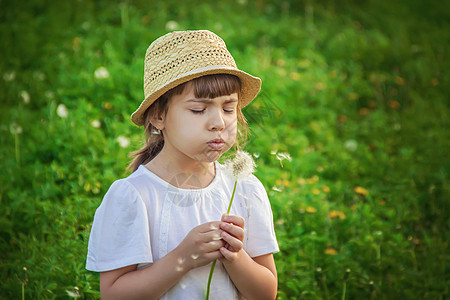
(142, 218)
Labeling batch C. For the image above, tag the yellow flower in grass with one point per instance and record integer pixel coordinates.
(326, 189)
(312, 180)
(330, 251)
(311, 210)
(361, 191)
(353, 96)
(399, 80)
(315, 191)
(336, 214)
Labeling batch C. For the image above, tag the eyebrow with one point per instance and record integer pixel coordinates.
(201, 100)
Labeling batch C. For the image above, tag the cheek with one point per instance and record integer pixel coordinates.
(231, 129)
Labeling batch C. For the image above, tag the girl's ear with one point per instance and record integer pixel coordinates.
(158, 122)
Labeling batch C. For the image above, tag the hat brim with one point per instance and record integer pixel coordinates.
(250, 87)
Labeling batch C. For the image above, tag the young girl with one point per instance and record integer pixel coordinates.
(157, 231)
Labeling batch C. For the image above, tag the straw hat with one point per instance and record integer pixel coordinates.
(180, 56)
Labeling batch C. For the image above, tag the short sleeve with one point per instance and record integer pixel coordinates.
(260, 231)
(120, 231)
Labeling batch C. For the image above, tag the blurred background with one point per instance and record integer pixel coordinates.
(350, 134)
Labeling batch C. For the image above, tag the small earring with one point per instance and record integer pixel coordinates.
(156, 131)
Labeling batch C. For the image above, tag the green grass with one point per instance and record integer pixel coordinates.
(356, 92)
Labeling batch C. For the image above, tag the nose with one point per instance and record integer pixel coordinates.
(216, 120)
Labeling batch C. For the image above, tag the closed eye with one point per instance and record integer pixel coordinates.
(198, 111)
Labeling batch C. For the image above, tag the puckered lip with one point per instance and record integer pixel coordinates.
(216, 144)
(216, 141)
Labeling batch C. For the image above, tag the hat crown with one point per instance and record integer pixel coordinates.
(180, 56)
(178, 53)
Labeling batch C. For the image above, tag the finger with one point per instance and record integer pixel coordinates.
(234, 230)
(210, 226)
(213, 244)
(234, 243)
(237, 220)
(227, 254)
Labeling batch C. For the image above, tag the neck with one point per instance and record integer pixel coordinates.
(181, 172)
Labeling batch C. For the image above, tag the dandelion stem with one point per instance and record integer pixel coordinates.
(232, 197)
(17, 147)
(214, 262)
(344, 290)
(209, 279)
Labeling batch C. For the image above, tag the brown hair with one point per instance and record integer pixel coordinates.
(209, 86)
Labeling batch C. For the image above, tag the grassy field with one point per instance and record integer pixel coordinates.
(351, 131)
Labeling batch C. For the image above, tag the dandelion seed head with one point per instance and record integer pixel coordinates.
(351, 145)
(96, 123)
(49, 95)
(25, 96)
(9, 76)
(172, 25)
(123, 141)
(101, 73)
(62, 111)
(241, 166)
(15, 128)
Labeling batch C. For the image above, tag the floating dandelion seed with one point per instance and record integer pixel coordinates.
(283, 155)
(276, 189)
(238, 168)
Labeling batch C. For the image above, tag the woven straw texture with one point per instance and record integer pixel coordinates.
(180, 56)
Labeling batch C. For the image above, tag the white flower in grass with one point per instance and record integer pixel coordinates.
(96, 123)
(25, 96)
(15, 128)
(62, 111)
(9, 76)
(172, 25)
(123, 141)
(351, 145)
(241, 166)
(101, 73)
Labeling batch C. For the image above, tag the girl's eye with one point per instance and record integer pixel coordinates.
(228, 111)
(198, 111)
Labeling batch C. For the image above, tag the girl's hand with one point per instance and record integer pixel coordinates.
(233, 235)
(200, 247)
